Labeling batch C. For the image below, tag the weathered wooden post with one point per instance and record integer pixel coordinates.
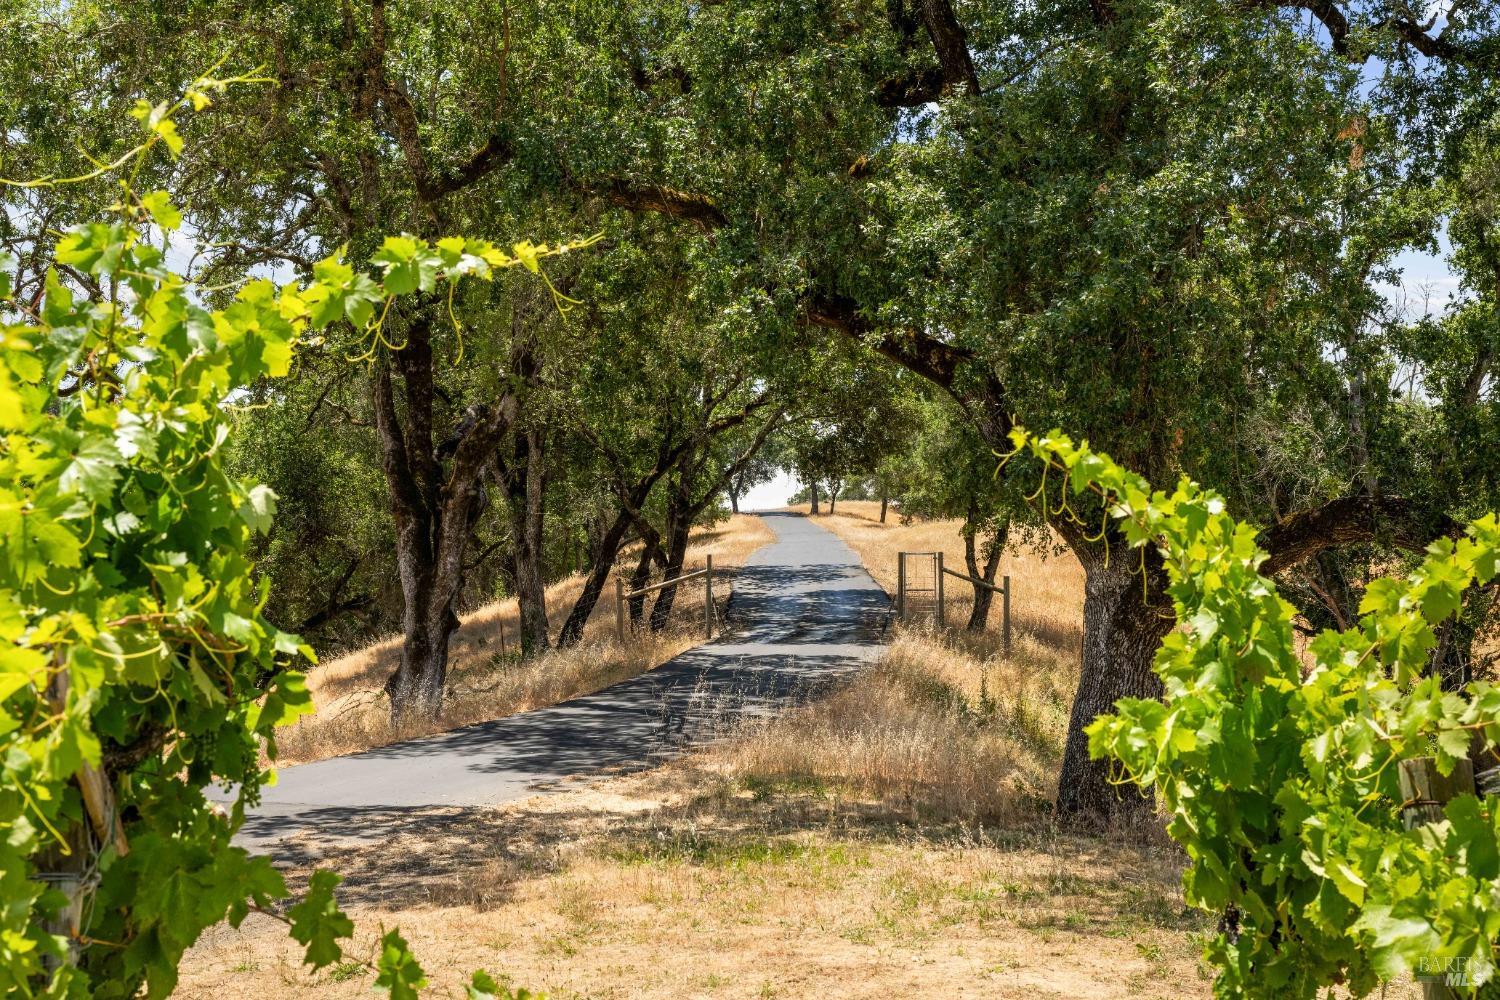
(1005, 615)
(901, 586)
(708, 588)
(938, 573)
(1424, 793)
(620, 608)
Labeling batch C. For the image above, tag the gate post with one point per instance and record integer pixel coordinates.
(1426, 792)
(708, 586)
(901, 586)
(938, 583)
(620, 608)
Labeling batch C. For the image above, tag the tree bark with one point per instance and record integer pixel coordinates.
(608, 550)
(605, 551)
(666, 597)
(524, 494)
(984, 597)
(1124, 621)
(884, 500)
(812, 488)
(433, 511)
(636, 603)
(681, 512)
(833, 494)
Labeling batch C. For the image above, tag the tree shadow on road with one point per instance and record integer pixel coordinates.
(689, 812)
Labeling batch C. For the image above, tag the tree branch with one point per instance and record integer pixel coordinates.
(495, 153)
(662, 200)
(955, 65)
(949, 40)
(1347, 521)
(914, 350)
(1336, 23)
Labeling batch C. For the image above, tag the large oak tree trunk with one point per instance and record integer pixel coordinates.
(416, 689)
(812, 488)
(636, 602)
(1124, 621)
(605, 551)
(680, 516)
(884, 500)
(433, 509)
(661, 608)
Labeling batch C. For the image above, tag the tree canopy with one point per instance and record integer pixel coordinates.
(871, 237)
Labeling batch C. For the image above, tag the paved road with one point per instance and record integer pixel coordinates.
(804, 612)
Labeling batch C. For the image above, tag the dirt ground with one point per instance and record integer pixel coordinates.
(689, 882)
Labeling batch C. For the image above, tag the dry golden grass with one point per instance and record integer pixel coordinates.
(937, 727)
(488, 680)
(945, 724)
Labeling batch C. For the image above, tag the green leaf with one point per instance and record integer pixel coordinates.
(20, 667)
(258, 509)
(400, 975)
(158, 205)
(318, 923)
(1347, 880)
(92, 470)
(95, 247)
(409, 265)
(287, 701)
(167, 129)
(483, 987)
(1452, 744)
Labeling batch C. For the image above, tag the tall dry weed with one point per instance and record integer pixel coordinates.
(945, 725)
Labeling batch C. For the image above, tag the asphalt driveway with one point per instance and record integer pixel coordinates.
(804, 613)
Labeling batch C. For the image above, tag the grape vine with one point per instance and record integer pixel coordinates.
(1278, 768)
(136, 668)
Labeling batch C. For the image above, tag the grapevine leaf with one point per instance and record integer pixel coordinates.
(94, 247)
(258, 509)
(399, 973)
(158, 204)
(318, 923)
(93, 469)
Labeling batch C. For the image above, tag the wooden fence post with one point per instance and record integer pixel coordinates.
(1005, 615)
(938, 563)
(1424, 792)
(620, 608)
(708, 587)
(901, 586)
